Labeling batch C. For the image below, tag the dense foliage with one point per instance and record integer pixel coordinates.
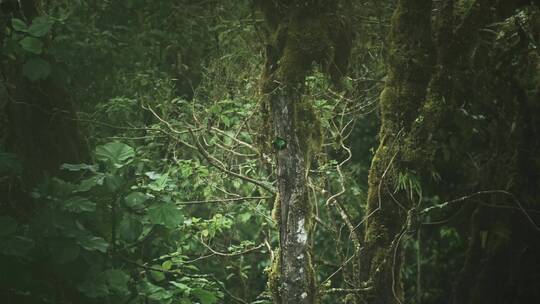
(138, 155)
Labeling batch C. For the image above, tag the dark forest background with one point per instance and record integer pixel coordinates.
(161, 151)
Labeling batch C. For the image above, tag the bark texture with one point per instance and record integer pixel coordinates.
(300, 35)
(410, 68)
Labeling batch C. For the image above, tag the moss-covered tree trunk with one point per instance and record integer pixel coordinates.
(402, 101)
(300, 34)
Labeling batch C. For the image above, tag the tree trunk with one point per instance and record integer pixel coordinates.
(409, 71)
(301, 33)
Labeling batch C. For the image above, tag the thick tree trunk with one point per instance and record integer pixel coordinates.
(301, 33)
(387, 213)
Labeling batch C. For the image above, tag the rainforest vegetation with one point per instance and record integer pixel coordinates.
(270, 151)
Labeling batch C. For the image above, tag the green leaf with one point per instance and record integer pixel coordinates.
(89, 183)
(130, 229)
(79, 167)
(114, 182)
(166, 265)
(205, 296)
(160, 183)
(181, 286)
(155, 292)
(79, 204)
(19, 25)
(135, 200)
(117, 281)
(8, 225)
(158, 276)
(166, 214)
(32, 45)
(36, 69)
(93, 243)
(115, 153)
(40, 26)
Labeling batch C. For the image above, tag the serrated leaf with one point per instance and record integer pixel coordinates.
(115, 153)
(19, 25)
(166, 214)
(40, 26)
(32, 45)
(36, 69)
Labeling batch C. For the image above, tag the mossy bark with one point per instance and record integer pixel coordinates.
(402, 102)
(300, 35)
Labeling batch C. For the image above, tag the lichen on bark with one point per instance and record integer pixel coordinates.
(300, 35)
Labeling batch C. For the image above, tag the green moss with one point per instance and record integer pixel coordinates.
(274, 281)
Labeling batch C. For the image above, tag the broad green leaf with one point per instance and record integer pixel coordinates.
(93, 243)
(40, 26)
(115, 153)
(135, 200)
(181, 286)
(130, 229)
(166, 214)
(205, 296)
(79, 204)
(166, 265)
(19, 25)
(90, 183)
(79, 167)
(155, 292)
(117, 281)
(158, 276)
(8, 225)
(32, 45)
(114, 182)
(36, 69)
(160, 183)
(152, 175)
